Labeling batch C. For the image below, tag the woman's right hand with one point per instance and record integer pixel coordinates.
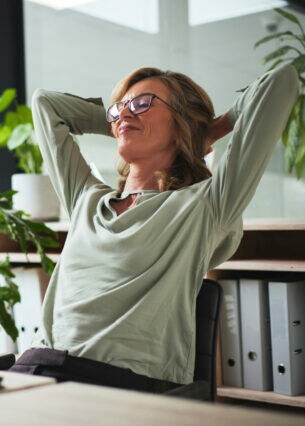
(219, 127)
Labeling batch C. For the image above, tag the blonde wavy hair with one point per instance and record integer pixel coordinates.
(194, 112)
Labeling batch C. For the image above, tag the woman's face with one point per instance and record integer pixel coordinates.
(150, 135)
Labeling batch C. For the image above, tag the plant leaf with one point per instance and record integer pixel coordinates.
(300, 167)
(293, 134)
(11, 119)
(24, 114)
(19, 135)
(300, 154)
(47, 264)
(299, 64)
(275, 64)
(293, 142)
(5, 133)
(295, 113)
(9, 296)
(39, 227)
(287, 15)
(7, 98)
(29, 155)
(271, 37)
(7, 322)
(277, 53)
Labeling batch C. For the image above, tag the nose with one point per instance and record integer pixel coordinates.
(125, 111)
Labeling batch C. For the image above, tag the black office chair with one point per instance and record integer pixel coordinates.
(204, 387)
(7, 361)
(207, 317)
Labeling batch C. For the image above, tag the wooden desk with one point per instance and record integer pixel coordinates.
(16, 381)
(78, 404)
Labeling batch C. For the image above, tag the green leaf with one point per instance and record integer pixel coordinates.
(293, 134)
(39, 228)
(30, 158)
(37, 158)
(9, 296)
(19, 135)
(11, 119)
(299, 64)
(271, 37)
(5, 133)
(48, 242)
(277, 53)
(288, 16)
(47, 264)
(5, 268)
(300, 167)
(6, 199)
(300, 154)
(24, 114)
(293, 142)
(275, 64)
(301, 111)
(295, 114)
(7, 322)
(285, 134)
(7, 98)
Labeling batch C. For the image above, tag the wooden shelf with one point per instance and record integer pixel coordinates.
(263, 265)
(273, 251)
(30, 258)
(274, 224)
(258, 396)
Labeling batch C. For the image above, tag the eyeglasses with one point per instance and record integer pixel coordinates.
(136, 105)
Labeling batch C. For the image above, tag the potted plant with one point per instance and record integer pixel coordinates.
(35, 193)
(26, 233)
(293, 136)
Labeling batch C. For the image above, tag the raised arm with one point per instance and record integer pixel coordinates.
(57, 116)
(258, 118)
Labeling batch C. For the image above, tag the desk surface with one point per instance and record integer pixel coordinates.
(78, 404)
(16, 381)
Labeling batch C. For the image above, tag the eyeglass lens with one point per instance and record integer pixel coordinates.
(137, 105)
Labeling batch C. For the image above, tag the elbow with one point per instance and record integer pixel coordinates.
(288, 78)
(37, 96)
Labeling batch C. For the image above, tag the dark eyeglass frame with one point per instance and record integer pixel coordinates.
(121, 105)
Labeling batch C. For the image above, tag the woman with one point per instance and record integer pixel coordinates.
(120, 306)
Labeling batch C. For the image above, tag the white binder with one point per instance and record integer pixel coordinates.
(287, 314)
(27, 312)
(230, 334)
(256, 340)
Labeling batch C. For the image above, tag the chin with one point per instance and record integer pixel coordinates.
(126, 153)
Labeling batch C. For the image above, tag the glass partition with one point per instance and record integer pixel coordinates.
(85, 47)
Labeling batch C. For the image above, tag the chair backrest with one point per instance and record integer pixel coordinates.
(207, 320)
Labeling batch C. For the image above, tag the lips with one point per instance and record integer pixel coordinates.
(126, 127)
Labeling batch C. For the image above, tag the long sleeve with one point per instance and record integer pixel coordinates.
(259, 116)
(56, 117)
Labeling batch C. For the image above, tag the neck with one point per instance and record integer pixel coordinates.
(142, 174)
(141, 178)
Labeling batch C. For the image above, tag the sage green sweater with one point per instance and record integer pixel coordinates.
(124, 290)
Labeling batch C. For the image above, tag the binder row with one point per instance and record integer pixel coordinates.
(262, 335)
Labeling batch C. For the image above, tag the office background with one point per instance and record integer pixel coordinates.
(85, 50)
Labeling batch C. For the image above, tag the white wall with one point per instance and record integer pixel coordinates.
(73, 52)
